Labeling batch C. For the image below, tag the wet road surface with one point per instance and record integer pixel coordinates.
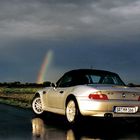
(20, 124)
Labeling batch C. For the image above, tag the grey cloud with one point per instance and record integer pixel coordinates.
(65, 19)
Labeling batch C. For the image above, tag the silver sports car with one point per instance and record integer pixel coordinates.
(88, 92)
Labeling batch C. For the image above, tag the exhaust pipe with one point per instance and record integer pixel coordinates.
(108, 115)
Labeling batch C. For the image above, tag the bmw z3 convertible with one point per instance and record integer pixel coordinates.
(88, 92)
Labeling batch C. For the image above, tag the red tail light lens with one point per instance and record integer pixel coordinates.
(98, 96)
(139, 98)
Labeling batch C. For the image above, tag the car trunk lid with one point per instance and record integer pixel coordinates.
(119, 92)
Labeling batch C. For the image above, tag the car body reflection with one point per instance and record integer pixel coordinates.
(42, 130)
(45, 132)
(38, 128)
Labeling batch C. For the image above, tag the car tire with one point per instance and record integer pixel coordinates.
(37, 105)
(72, 111)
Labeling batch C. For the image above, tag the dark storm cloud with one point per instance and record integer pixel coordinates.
(22, 60)
(81, 33)
(121, 58)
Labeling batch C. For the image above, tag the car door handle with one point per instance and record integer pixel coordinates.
(61, 92)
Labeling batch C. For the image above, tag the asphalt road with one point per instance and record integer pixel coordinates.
(15, 123)
(20, 124)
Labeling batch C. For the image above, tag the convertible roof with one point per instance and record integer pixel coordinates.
(84, 71)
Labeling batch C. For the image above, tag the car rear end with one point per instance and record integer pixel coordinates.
(124, 103)
(114, 103)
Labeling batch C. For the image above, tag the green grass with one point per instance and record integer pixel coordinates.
(21, 97)
(18, 90)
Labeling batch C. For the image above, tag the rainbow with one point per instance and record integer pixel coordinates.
(44, 67)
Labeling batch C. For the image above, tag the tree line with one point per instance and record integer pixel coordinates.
(19, 84)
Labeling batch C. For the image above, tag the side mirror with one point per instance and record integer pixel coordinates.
(53, 85)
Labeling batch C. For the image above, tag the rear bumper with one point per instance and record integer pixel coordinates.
(101, 108)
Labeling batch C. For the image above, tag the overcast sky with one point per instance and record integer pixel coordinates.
(102, 34)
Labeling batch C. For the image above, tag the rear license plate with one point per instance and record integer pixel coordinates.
(126, 109)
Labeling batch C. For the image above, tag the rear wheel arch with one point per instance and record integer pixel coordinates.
(72, 112)
(71, 97)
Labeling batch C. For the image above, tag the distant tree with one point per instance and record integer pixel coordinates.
(46, 84)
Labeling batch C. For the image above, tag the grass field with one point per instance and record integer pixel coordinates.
(21, 97)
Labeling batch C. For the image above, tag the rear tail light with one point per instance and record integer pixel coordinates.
(139, 98)
(98, 96)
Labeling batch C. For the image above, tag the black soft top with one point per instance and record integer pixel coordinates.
(89, 71)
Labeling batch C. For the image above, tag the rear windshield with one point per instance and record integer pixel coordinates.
(104, 79)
